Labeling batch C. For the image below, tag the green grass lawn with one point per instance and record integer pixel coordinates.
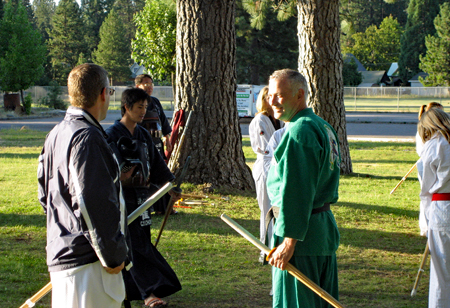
(378, 257)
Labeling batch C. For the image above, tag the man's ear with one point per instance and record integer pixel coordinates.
(300, 93)
(103, 93)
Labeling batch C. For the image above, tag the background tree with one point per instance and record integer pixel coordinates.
(320, 60)
(436, 61)
(28, 7)
(113, 52)
(154, 45)
(43, 12)
(21, 53)
(126, 9)
(66, 39)
(93, 13)
(361, 14)
(377, 48)
(206, 85)
(1, 9)
(350, 74)
(421, 14)
(261, 51)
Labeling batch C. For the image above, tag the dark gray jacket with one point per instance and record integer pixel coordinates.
(79, 189)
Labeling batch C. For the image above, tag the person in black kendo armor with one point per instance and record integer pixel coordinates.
(151, 277)
(155, 121)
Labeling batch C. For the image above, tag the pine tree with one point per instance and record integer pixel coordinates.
(21, 50)
(1, 9)
(361, 14)
(66, 39)
(259, 52)
(421, 14)
(436, 62)
(93, 13)
(113, 52)
(43, 12)
(125, 9)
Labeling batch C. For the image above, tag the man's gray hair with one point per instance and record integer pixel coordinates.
(296, 80)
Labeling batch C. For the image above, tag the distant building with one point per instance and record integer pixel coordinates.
(414, 81)
(374, 79)
(136, 69)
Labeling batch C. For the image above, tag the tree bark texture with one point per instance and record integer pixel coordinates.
(320, 61)
(206, 85)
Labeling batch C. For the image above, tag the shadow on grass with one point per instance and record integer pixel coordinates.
(355, 237)
(19, 155)
(379, 208)
(373, 145)
(383, 240)
(382, 161)
(9, 220)
(381, 177)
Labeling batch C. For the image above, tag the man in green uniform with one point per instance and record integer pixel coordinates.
(303, 180)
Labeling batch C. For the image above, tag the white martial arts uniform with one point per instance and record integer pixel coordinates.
(422, 221)
(87, 286)
(260, 130)
(434, 167)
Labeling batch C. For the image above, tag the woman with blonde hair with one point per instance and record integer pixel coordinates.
(424, 108)
(261, 129)
(434, 175)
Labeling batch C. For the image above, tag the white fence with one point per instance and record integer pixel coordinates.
(398, 99)
(374, 99)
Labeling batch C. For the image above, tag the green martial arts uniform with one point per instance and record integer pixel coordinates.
(304, 175)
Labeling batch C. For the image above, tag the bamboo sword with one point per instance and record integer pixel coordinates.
(419, 273)
(404, 178)
(290, 268)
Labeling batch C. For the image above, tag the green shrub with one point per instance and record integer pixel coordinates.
(27, 101)
(52, 99)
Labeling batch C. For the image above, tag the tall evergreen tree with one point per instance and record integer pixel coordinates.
(43, 12)
(138, 5)
(261, 51)
(361, 14)
(21, 53)
(436, 62)
(66, 39)
(320, 59)
(1, 9)
(28, 7)
(93, 13)
(206, 86)
(421, 14)
(113, 52)
(125, 9)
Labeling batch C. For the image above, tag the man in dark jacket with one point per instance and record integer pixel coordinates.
(155, 120)
(79, 189)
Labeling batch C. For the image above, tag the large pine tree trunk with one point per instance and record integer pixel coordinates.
(206, 85)
(320, 61)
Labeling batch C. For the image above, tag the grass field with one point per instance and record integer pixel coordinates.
(378, 257)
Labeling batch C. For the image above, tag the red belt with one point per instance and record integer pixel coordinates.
(441, 197)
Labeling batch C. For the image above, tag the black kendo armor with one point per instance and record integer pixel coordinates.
(152, 123)
(131, 153)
